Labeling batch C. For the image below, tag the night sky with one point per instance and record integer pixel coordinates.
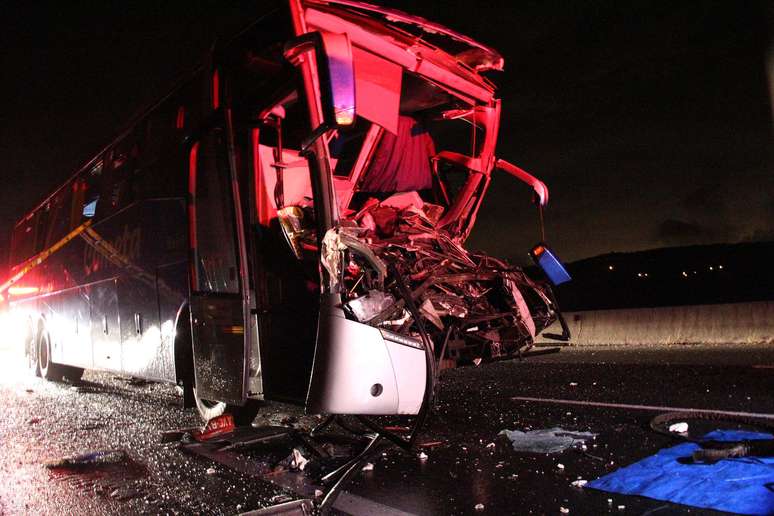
(650, 121)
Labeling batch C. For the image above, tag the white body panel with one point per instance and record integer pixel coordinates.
(357, 371)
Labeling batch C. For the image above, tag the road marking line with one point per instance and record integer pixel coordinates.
(654, 408)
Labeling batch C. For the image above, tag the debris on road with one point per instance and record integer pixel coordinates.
(89, 459)
(548, 440)
(422, 456)
(369, 466)
(431, 444)
(124, 493)
(679, 428)
(171, 436)
(580, 483)
(297, 461)
(289, 420)
(280, 498)
(479, 507)
(216, 426)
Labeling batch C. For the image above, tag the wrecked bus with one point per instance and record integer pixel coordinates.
(288, 224)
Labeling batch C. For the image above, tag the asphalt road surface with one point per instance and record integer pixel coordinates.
(467, 464)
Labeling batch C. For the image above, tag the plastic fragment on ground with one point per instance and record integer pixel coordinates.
(216, 426)
(548, 440)
(480, 507)
(89, 459)
(170, 436)
(679, 428)
(579, 483)
(298, 461)
(368, 467)
(422, 456)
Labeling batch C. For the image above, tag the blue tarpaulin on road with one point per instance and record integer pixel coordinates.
(742, 485)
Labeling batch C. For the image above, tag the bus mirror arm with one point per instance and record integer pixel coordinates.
(541, 190)
(335, 74)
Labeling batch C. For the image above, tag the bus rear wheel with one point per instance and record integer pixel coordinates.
(50, 370)
(243, 415)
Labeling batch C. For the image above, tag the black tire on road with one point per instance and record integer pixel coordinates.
(50, 370)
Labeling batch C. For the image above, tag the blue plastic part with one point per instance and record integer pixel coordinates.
(553, 268)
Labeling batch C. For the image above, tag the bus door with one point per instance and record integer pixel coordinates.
(219, 293)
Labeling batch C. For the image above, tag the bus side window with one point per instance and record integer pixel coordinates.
(91, 191)
(117, 190)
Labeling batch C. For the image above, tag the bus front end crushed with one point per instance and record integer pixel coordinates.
(406, 289)
(405, 299)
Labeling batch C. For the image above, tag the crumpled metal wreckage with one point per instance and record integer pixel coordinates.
(471, 305)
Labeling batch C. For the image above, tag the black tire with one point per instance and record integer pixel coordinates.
(50, 370)
(243, 415)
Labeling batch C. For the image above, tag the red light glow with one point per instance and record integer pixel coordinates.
(215, 90)
(180, 122)
(192, 163)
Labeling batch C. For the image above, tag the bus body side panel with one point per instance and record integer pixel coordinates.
(68, 319)
(105, 330)
(156, 240)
